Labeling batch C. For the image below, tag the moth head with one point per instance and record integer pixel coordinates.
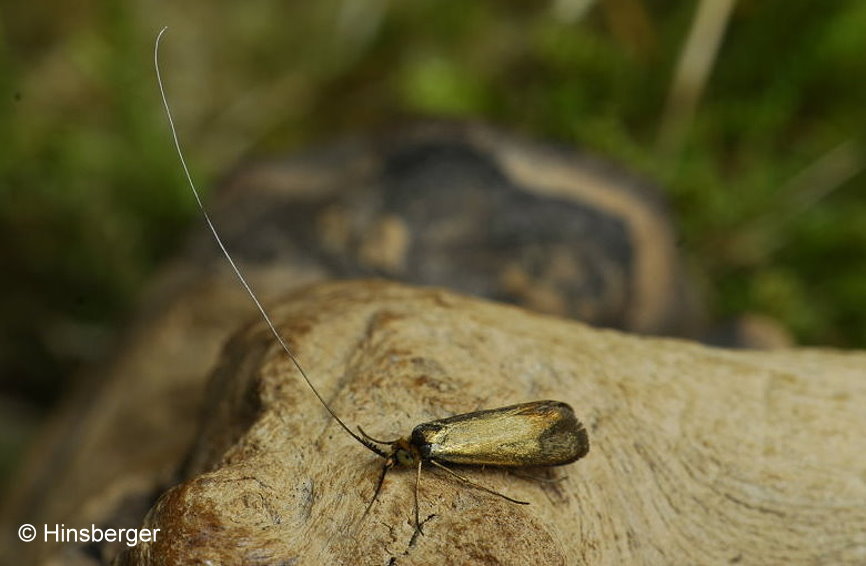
(404, 454)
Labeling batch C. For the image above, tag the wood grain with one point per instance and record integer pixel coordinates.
(700, 456)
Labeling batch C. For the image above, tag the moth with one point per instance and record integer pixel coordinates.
(539, 433)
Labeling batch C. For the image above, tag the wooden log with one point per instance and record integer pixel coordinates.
(699, 455)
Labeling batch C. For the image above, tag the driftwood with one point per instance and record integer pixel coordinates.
(698, 455)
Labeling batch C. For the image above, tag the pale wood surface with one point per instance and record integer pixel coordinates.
(699, 456)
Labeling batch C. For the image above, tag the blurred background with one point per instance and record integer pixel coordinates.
(749, 114)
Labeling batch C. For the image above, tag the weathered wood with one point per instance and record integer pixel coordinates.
(699, 455)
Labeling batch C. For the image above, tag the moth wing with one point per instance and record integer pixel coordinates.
(540, 433)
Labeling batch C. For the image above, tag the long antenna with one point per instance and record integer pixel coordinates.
(237, 271)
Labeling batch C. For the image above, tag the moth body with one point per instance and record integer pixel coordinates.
(540, 433)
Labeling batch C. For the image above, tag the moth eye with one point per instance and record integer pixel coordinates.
(404, 458)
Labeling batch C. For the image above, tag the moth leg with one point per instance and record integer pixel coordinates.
(477, 486)
(417, 484)
(385, 469)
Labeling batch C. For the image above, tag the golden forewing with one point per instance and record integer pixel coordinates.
(541, 433)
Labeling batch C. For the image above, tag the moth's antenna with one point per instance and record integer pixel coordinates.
(228, 256)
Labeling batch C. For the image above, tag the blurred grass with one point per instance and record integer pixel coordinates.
(767, 181)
